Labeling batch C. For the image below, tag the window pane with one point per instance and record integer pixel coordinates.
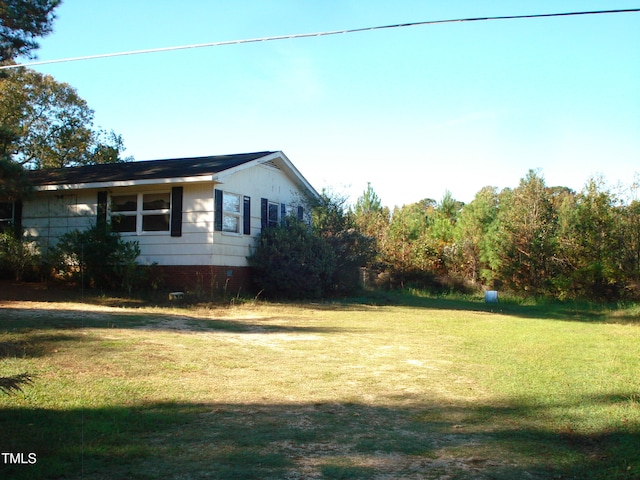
(156, 201)
(155, 223)
(123, 223)
(274, 208)
(231, 203)
(230, 223)
(124, 203)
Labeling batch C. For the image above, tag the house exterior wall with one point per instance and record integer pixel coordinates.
(50, 214)
(261, 181)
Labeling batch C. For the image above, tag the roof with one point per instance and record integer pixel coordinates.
(144, 170)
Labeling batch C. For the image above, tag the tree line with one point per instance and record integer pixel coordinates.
(533, 240)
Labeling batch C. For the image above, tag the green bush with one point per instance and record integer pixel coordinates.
(292, 262)
(19, 256)
(98, 257)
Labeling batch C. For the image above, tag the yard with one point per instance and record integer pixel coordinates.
(398, 387)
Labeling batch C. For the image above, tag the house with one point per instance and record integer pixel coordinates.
(196, 219)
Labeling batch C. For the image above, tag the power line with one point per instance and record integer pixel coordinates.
(316, 34)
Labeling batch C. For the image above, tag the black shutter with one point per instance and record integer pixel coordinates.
(101, 220)
(246, 215)
(176, 212)
(300, 213)
(283, 213)
(17, 218)
(217, 210)
(264, 212)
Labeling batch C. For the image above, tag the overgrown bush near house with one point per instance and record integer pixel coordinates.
(99, 257)
(19, 256)
(292, 262)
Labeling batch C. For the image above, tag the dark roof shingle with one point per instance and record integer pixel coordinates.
(145, 170)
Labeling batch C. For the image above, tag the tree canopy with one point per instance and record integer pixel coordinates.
(46, 124)
(21, 22)
(533, 240)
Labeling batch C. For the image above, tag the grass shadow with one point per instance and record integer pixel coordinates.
(15, 319)
(319, 440)
(552, 310)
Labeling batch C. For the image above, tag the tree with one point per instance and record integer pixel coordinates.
(13, 181)
(21, 22)
(368, 202)
(592, 244)
(371, 220)
(473, 231)
(45, 124)
(525, 243)
(352, 249)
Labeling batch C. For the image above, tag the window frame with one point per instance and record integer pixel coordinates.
(140, 212)
(273, 222)
(6, 223)
(236, 215)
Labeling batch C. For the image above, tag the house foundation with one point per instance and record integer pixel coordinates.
(202, 279)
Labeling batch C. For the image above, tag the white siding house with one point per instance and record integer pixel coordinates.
(196, 218)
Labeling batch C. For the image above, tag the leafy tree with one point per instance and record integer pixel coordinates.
(406, 252)
(473, 231)
(21, 22)
(352, 249)
(13, 181)
(45, 124)
(630, 226)
(290, 261)
(525, 242)
(592, 244)
(370, 217)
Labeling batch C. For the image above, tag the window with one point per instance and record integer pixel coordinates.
(142, 212)
(272, 215)
(230, 212)
(6, 215)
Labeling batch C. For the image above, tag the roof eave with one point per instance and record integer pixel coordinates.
(123, 183)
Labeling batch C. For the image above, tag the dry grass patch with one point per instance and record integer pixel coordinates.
(318, 391)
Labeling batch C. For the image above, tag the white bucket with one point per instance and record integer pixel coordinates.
(491, 296)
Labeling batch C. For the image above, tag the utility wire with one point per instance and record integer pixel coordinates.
(316, 34)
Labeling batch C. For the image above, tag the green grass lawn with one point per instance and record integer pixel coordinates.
(419, 388)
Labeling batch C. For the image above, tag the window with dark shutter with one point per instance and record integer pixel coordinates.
(246, 215)
(264, 213)
(6, 216)
(101, 220)
(176, 211)
(217, 207)
(17, 218)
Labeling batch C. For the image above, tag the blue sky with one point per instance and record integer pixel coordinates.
(414, 111)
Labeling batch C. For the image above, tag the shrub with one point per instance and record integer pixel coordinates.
(19, 256)
(292, 262)
(99, 257)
